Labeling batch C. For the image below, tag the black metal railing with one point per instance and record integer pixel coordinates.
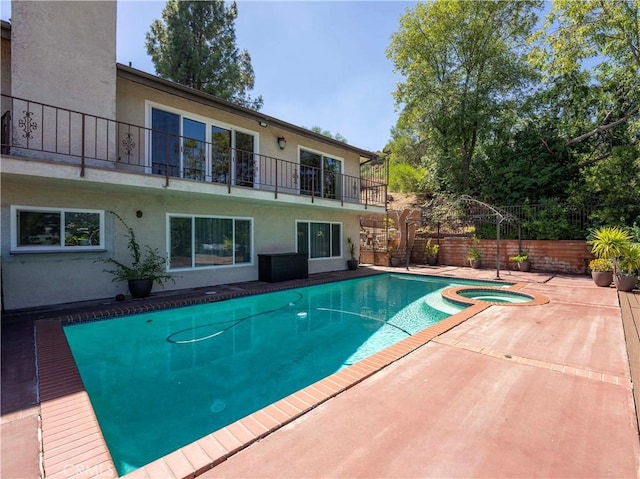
(548, 221)
(45, 132)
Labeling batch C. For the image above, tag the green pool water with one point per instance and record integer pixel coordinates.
(161, 380)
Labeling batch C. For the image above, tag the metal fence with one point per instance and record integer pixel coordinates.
(35, 130)
(552, 221)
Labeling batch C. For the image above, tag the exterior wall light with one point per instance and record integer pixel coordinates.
(263, 123)
(282, 142)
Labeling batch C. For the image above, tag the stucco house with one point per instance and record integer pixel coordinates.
(211, 184)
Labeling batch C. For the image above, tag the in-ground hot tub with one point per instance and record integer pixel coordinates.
(467, 295)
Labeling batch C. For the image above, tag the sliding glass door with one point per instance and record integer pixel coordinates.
(220, 154)
(320, 175)
(184, 147)
(165, 142)
(331, 178)
(194, 158)
(310, 173)
(244, 159)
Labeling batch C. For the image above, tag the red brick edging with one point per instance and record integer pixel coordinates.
(72, 442)
(73, 445)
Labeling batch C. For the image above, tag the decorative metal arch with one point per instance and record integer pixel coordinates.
(476, 211)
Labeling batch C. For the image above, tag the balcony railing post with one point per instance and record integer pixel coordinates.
(276, 185)
(366, 196)
(82, 146)
(166, 161)
(230, 162)
(10, 127)
(7, 131)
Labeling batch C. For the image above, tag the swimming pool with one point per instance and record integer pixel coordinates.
(158, 381)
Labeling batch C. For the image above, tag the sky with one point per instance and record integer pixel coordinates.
(316, 63)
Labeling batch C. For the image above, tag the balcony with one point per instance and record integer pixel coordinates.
(43, 132)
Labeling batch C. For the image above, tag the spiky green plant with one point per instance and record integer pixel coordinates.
(629, 261)
(431, 250)
(473, 254)
(520, 258)
(609, 242)
(352, 249)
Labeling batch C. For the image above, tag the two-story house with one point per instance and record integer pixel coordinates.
(209, 183)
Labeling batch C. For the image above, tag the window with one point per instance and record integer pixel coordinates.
(165, 142)
(194, 158)
(55, 229)
(208, 241)
(319, 240)
(220, 148)
(320, 175)
(244, 164)
(187, 146)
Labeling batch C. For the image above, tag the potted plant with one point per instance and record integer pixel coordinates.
(629, 266)
(601, 271)
(522, 260)
(353, 262)
(394, 256)
(473, 255)
(614, 243)
(431, 252)
(392, 240)
(147, 266)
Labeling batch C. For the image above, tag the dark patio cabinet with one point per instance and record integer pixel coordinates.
(282, 267)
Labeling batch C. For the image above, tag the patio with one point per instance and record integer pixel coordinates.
(538, 391)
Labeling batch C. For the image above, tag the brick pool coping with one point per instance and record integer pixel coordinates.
(72, 442)
(454, 295)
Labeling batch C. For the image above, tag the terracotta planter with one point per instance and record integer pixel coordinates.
(602, 278)
(524, 266)
(625, 283)
(140, 288)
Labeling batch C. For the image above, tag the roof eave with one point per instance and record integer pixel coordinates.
(167, 86)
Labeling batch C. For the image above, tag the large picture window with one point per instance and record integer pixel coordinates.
(208, 241)
(56, 229)
(318, 239)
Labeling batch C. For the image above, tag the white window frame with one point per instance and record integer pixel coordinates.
(209, 122)
(193, 267)
(61, 248)
(330, 223)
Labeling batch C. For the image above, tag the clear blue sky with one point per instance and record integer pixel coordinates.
(317, 63)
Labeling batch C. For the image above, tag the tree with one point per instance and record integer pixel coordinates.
(411, 169)
(606, 32)
(463, 65)
(527, 165)
(590, 53)
(327, 133)
(195, 45)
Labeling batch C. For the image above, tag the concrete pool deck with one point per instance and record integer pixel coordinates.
(538, 391)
